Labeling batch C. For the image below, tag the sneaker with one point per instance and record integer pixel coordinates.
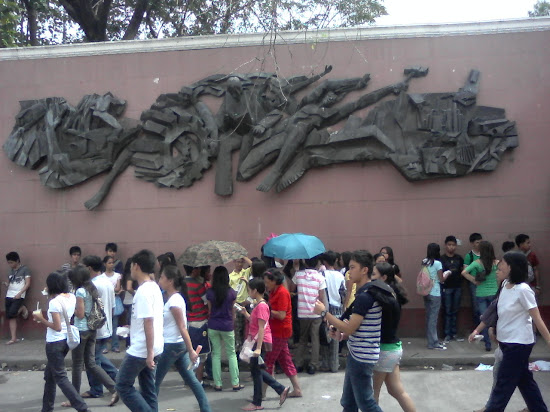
(438, 347)
(447, 339)
(459, 339)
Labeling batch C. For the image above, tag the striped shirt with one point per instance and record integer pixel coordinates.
(197, 310)
(309, 282)
(364, 343)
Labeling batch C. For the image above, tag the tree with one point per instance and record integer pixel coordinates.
(541, 8)
(35, 22)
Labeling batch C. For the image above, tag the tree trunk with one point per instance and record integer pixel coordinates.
(133, 28)
(32, 22)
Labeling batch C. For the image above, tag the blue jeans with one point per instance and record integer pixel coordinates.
(451, 301)
(146, 399)
(432, 304)
(475, 308)
(56, 374)
(114, 337)
(176, 354)
(358, 394)
(514, 372)
(482, 305)
(96, 386)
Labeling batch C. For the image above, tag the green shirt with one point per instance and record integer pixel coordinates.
(490, 286)
(469, 259)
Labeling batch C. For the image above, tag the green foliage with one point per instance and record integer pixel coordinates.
(9, 12)
(68, 21)
(541, 8)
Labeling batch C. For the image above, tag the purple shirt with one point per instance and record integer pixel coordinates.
(221, 317)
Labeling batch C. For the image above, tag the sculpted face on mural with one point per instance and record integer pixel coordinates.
(423, 135)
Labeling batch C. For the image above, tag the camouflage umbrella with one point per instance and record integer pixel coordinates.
(211, 252)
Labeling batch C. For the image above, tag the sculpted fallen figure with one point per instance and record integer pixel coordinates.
(424, 135)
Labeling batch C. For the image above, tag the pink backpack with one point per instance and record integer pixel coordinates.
(424, 283)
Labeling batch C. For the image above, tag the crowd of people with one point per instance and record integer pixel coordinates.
(264, 308)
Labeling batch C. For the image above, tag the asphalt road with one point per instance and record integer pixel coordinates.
(432, 390)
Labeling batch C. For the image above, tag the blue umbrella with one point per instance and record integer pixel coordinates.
(294, 246)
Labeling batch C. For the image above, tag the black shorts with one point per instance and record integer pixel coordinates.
(12, 307)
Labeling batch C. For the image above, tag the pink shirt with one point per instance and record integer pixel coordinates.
(261, 311)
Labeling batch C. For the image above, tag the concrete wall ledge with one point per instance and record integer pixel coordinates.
(286, 37)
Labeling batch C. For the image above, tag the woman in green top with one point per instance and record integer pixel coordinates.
(483, 273)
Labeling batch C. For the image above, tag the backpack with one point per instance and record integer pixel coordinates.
(424, 283)
(96, 317)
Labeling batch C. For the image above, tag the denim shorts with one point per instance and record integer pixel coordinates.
(388, 360)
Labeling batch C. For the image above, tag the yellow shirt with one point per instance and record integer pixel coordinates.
(353, 290)
(240, 286)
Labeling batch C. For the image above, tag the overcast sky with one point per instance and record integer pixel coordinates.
(450, 11)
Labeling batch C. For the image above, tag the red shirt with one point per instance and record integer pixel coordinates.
(279, 300)
(197, 310)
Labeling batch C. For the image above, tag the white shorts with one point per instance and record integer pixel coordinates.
(388, 360)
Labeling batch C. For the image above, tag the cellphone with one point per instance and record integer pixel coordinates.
(237, 306)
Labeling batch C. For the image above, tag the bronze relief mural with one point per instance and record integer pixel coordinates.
(424, 135)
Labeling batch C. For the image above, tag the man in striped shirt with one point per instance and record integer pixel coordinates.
(363, 333)
(310, 286)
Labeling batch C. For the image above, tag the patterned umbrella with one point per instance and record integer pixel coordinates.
(211, 252)
(294, 246)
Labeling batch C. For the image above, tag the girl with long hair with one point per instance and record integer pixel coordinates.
(178, 349)
(517, 310)
(116, 279)
(84, 354)
(221, 300)
(483, 273)
(56, 343)
(432, 301)
(386, 369)
(260, 332)
(388, 254)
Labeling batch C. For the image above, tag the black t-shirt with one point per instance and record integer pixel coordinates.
(454, 264)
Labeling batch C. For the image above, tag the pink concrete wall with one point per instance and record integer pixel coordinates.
(362, 205)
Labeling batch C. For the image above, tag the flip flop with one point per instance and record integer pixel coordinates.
(294, 395)
(284, 395)
(114, 399)
(11, 342)
(66, 404)
(252, 407)
(238, 388)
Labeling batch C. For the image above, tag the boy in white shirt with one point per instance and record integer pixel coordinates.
(146, 330)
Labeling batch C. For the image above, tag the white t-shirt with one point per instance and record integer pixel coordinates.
(56, 305)
(107, 296)
(514, 323)
(17, 278)
(147, 304)
(335, 280)
(171, 330)
(114, 278)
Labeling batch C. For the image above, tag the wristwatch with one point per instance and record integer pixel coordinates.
(323, 313)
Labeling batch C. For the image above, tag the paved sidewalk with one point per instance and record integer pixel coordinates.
(30, 354)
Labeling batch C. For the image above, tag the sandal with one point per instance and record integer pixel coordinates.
(11, 342)
(66, 404)
(284, 395)
(87, 395)
(114, 399)
(238, 388)
(252, 407)
(293, 394)
(218, 388)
